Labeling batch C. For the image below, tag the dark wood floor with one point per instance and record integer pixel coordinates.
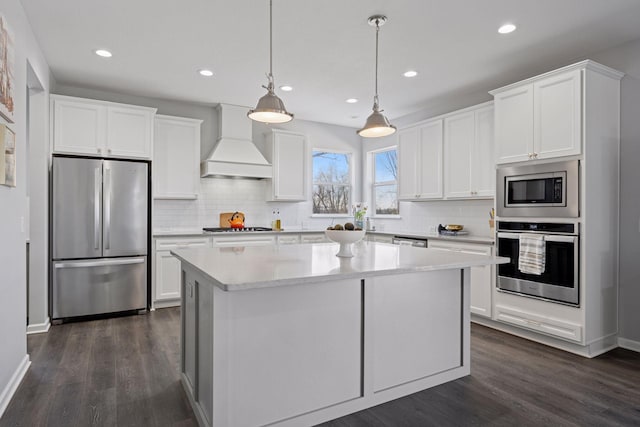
(124, 372)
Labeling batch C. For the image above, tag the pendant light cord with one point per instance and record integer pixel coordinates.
(377, 32)
(270, 39)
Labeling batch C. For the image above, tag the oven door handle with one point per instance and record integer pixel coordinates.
(547, 237)
(564, 239)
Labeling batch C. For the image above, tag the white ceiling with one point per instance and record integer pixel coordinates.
(324, 49)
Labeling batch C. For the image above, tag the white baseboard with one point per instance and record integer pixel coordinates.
(629, 344)
(39, 328)
(13, 384)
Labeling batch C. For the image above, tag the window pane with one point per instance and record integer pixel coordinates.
(386, 199)
(331, 168)
(386, 166)
(330, 199)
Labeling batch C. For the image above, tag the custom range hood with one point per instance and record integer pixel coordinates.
(235, 155)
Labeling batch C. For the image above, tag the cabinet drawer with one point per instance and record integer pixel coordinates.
(469, 248)
(244, 241)
(288, 240)
(166, 244)
(547, 325)
(313, 238)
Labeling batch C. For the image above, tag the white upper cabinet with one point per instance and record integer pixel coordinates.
(539, 118)
(469, 164)
(287, 152)
(557, 115)
(176, 158)
(420, 162)
(102, 129)
(129, 131)
(78, 127)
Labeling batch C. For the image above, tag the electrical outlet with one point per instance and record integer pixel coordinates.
(432, 229)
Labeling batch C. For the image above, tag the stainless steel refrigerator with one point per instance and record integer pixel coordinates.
(99, 222)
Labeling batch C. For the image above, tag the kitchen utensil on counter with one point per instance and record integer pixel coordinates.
(454, 227)
(451, 230)
(225, 218)
(237, 220)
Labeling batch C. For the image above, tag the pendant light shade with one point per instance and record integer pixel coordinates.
(377, 124)
(270, 108)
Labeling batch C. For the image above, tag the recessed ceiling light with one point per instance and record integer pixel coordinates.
(410, 73)
(104, 53)
(206, 73)
(355, 117)
(507, 28)
(351, 101)
(286, 88)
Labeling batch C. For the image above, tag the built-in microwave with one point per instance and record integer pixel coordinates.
(542, 190)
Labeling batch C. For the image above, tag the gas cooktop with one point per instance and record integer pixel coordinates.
(235, 230)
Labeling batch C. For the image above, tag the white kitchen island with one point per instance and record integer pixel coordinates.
(293, 335)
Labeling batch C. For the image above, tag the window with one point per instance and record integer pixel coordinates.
(331, 182)
(385, 182)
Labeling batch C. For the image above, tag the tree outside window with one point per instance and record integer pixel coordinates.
(331, 182)
(385, 182)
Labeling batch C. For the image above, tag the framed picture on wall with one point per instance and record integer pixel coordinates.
(7, 156)
(7, 82)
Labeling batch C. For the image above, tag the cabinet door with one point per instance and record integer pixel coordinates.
(430, 161)
(129, 132)
(459, 137)
(289, 159)
(78, 127)
(483, 164)
(408, 146)
(176, 158)
(514, 124)
(167, 276)
(557, 115)
(481, 276)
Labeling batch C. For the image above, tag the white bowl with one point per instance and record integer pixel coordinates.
(345, 238)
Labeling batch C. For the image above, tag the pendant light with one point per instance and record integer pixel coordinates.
(377, 124)
(270, 108)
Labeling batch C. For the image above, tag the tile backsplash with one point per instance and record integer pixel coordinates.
(248, 196)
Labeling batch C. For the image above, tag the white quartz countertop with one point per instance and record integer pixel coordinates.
(412, 234)
(250, 267)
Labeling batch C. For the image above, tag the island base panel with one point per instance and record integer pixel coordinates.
(303, 354)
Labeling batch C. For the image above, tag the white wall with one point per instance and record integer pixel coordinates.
(626, 58)
(13, 210)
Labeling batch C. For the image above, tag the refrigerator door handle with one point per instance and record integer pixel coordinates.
(97, 178)
(107, 206)
(89, 264)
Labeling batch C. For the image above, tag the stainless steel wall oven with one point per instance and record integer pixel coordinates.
(560, 280)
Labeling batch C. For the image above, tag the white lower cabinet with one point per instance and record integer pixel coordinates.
(166, 278)
(482, 277)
